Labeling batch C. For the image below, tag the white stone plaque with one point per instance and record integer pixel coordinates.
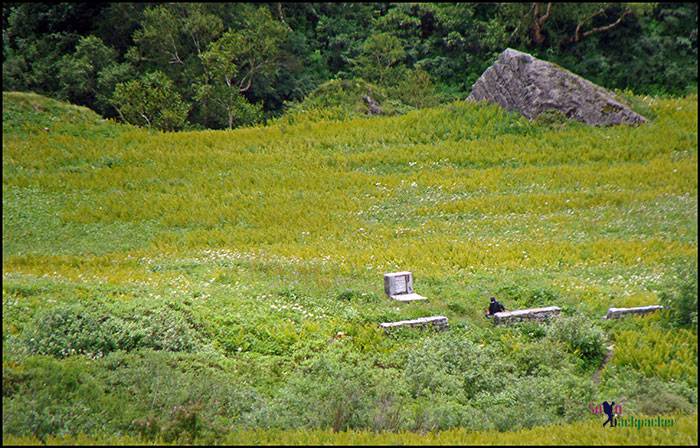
(400, 285)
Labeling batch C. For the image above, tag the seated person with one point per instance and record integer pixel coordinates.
(494, 307)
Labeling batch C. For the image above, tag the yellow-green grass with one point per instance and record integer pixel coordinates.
(276, 238)
(684, 431)
(444, 192)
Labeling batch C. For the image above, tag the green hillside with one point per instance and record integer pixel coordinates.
(184, 286)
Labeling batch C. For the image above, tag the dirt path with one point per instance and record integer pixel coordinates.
(608, 357)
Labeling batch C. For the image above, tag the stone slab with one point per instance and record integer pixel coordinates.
(526, 314)
(616, 313)
(408, 297)
(439, 322)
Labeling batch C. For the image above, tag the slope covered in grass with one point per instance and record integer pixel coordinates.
(236, 276)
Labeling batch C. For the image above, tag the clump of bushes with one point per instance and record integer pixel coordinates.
(580, 336)
(339, 390)
(680, 297)
(76, 330)
(71, 330)
(341, 99)
(173, 397)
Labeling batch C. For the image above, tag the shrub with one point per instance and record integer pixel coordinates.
(160, 328)
(535, 400)
(448, 364)
(526, 295)
(647, 395)
(151, 101)
(70, 330)
(416, 89)
(342, 99)
(580, 336)
(75, 330)
(338, 390)
(680, 297)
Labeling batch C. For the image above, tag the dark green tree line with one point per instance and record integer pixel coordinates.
(230, 65)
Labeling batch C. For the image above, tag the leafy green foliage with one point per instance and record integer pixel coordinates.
(152, 102)
(342, 99)
(78, 73)
(74, 330)
(680, 297)
(234, 61)
(380, 59)
(580, 336)
(278, 53)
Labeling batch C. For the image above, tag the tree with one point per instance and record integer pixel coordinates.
(78, 72)
(171, 39)
(416, 89)
(561, 24)
(107, 80)
(169, 33)
(151, 101)
(380, 59)
(236, 59)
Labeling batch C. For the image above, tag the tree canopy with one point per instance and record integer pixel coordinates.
(237, 64)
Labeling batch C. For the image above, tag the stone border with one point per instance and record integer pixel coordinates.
(526, 314)
(616, 313)
(439, 322)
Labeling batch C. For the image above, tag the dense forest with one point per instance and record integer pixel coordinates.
(221, 65)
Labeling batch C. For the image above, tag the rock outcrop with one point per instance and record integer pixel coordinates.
(520, 82)
(373, 107)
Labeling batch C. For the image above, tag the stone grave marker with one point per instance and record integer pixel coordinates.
(399, 286)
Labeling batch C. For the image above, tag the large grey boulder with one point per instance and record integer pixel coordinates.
(520, 82)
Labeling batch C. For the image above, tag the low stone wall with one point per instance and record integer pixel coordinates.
(438, 322)
(538, 314)
(616, 313)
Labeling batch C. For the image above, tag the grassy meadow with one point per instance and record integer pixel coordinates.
(227, 286)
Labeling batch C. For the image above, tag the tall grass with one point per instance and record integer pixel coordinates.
(683, 432)
(265, 248)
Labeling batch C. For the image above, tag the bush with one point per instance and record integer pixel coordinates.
(70, 330)
(680, 297)
(151, 101)
(646, 395)
(448, 364)
(75, 330)
(161, 328)
(533, 401)
(526, 295)
(580, 336)
(55, 398)
(342, 99)
(338, 390)
(416, 89)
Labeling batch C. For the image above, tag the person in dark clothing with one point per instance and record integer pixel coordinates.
(608, 409)
(495, 307)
